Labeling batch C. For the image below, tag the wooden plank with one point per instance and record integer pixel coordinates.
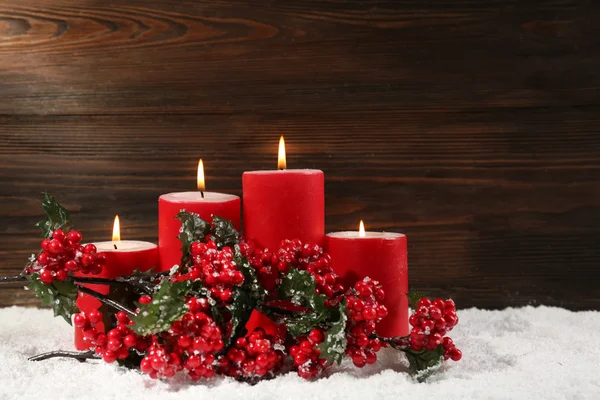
(499, 211)
(140, 56)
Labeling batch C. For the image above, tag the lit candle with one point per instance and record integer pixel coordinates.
(284, 204)
(205, 204)
(382, 256)
(122, 258)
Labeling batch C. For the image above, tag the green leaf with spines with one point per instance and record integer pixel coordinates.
(413, 299)
(57, 217)
(223, 232)
(333, 347)
(193, 229)
(167, 306)
(299, 287)
(241, 308)
(61, 296)
(250, 277)
(424, 363)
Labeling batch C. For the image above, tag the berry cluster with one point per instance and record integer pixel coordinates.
(63, 254)
(272, 266)
(431, 322)
(364, 312)
(116, 343)
(306, 355)
(252, 356)
(216, 269)
(190, 344)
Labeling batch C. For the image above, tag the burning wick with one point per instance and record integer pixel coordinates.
(116, 236)
(281, 161)
(200, 178)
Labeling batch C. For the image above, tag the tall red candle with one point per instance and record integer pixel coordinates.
(128, 256)
(382, 257)
(284, 204)
(205, 204)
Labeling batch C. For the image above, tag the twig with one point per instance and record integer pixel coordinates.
(99, 281)
(80, 356)
(9, 279)
(396, 342)
(106, 300)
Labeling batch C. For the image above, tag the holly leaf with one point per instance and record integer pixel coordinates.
(413, 299)
(299, 288)
(193, 229)
(333, 347)
(224, 233)
(424, 363)
(57, 217)
(167, 306)
(61, 296)
(241, 308)
(250, 278)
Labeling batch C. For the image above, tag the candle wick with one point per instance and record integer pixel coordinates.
(202, 193)
(114, 244)
(281, 169)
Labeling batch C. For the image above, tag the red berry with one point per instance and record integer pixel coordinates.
(80, 320)
(55, 247)
(74, 236)
(89, 248)
(71, 265)
(43, 259)
(316, 336)
(456, 354)
(109, 356)
(46, 277)
(94, 316)
(130, 340)
(61, 275)
(145, 299)
(424, 302)
(59, 235)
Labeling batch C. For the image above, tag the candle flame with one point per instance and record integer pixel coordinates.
(281, 163)
(361, 229)
(116, 230)
(201, 185)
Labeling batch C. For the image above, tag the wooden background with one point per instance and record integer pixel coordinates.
(472, 126)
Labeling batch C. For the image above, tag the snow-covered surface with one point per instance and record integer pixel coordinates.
(525, 353)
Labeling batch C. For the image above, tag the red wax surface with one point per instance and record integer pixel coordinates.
(142, 256)
(382, 257)
(169, 205)
(288, 204)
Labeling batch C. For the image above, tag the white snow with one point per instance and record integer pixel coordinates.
(524, 353)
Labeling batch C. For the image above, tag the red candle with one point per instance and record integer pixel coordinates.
(128, 256)
(284, 204)
(381, 256)
(205, 204)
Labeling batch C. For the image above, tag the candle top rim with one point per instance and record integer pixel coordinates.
(305, 171)
(134, 245)
(368, 235)
(185, 197)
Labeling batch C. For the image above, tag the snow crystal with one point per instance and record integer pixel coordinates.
(523, 353)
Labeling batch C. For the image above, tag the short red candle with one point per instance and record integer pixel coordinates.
(382, 257)
(286, 204)
(169, 205)
(129, 256)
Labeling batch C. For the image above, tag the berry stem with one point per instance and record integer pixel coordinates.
(10, 279)
(106, 300)
(80, 356)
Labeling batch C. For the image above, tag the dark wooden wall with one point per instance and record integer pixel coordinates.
(472, 126)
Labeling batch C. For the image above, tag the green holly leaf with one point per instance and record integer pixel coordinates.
(241, 308)
(61, 296)
(167, 306)
(57, 217)
(250, 278)
(299, 288)
(333, 347)
(193, 229)
(224, 233)
(424, 363)
(413, 299)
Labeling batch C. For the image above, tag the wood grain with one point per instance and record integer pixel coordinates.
(471, 126)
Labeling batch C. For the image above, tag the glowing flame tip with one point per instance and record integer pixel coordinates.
(361, 229)
(281, 162)
(116, 236)
(200, 180)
